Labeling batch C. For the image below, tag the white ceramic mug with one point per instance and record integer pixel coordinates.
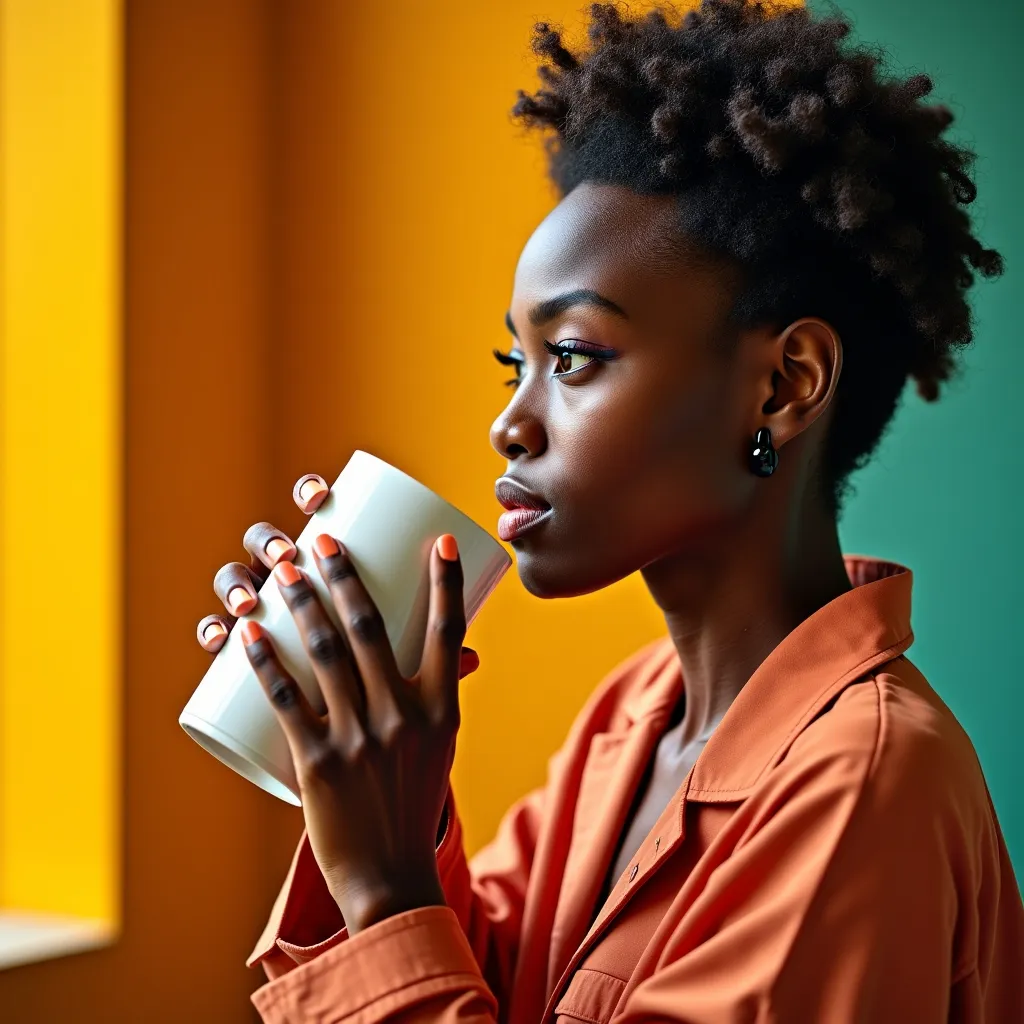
(389, 522)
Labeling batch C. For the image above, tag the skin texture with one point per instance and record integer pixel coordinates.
(643, 457)
(373, 771)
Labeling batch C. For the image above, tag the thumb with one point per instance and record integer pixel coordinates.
(469, 662)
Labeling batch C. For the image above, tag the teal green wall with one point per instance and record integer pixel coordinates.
(943, 493)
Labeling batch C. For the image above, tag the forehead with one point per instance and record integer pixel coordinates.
(625, 245)
(601, 228)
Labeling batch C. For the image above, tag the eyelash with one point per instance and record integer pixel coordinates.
(507, 359)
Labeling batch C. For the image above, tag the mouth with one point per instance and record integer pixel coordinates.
(524, 509)
(517, 521)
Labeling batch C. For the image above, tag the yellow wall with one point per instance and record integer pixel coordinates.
(60, 462)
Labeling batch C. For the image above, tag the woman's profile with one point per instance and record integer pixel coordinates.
(768, 814)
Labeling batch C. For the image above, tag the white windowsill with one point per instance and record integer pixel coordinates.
(27, 937)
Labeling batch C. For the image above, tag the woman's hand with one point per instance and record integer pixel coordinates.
(373, 772)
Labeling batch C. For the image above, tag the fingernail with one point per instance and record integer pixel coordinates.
(278, 549)
(286, 574)
(212, 631)
(447, 548)
(325, 545)
(470, 660)
(240, 601)
(310, 489)
(251, 632)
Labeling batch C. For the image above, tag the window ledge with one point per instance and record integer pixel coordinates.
(26, 938)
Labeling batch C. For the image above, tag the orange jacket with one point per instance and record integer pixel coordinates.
(833, 856)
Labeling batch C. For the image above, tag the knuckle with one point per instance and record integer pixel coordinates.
(340, 570)
(366, 626)
(325, 646)
(393, 731)
(302, 596)
(450, 628)
(356, 748)
(447, 716)
(261, 656)
(283, 691)
(322, 761)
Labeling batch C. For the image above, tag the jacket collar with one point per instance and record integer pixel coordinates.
(842, 641)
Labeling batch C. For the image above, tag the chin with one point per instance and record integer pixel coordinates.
(550, 578)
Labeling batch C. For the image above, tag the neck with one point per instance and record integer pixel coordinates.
(730, 604)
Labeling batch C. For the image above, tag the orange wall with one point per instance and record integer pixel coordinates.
(406, 198)
(324, 206)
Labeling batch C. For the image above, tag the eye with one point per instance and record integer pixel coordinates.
(571, 357)
(567, 361)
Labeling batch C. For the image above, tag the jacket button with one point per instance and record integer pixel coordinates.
(632, 873)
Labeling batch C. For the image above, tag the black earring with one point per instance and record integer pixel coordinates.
(763, 457)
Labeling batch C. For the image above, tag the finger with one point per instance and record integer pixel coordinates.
(328, 653)
(446, 629)
(212, 631)
(364, 628)
(302, 726)
(236, 585)
(470, 662)
(267, 545)
(310, 492)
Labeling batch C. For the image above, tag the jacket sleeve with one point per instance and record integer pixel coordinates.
(309, 958)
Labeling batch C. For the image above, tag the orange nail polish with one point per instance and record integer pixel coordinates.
(212, 631)
(278, 549)
(240, 601)
(286, 574)
(447, 547)
(252, 631)
(325, 545)
(311, 489)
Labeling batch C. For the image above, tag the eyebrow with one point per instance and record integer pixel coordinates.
(550, 308)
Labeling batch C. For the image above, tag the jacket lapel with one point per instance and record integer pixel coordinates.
(614, 767)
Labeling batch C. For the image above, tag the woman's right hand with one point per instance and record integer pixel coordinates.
(236, 584)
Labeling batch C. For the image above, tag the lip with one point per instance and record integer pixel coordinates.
(513, 495)
(517, 521)
(523, 508)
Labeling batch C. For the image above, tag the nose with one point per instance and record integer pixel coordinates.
(515, 432)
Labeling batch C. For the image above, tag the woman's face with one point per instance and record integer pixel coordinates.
(643, 455)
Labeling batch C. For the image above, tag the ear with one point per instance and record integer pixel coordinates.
(804, 364)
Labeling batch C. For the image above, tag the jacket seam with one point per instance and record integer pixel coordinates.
(795, 730)
(865, 778)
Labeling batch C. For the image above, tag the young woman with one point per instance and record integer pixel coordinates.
(767, 815)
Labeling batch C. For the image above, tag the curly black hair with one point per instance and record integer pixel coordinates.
(826, 184)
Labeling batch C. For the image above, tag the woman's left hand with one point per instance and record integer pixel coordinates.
(373, 772)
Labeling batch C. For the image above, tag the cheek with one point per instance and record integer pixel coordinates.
(646, 469)
(658, 447)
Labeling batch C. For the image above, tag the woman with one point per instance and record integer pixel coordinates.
(768, 814)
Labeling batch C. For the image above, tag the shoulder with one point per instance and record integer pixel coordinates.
(896, 740)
